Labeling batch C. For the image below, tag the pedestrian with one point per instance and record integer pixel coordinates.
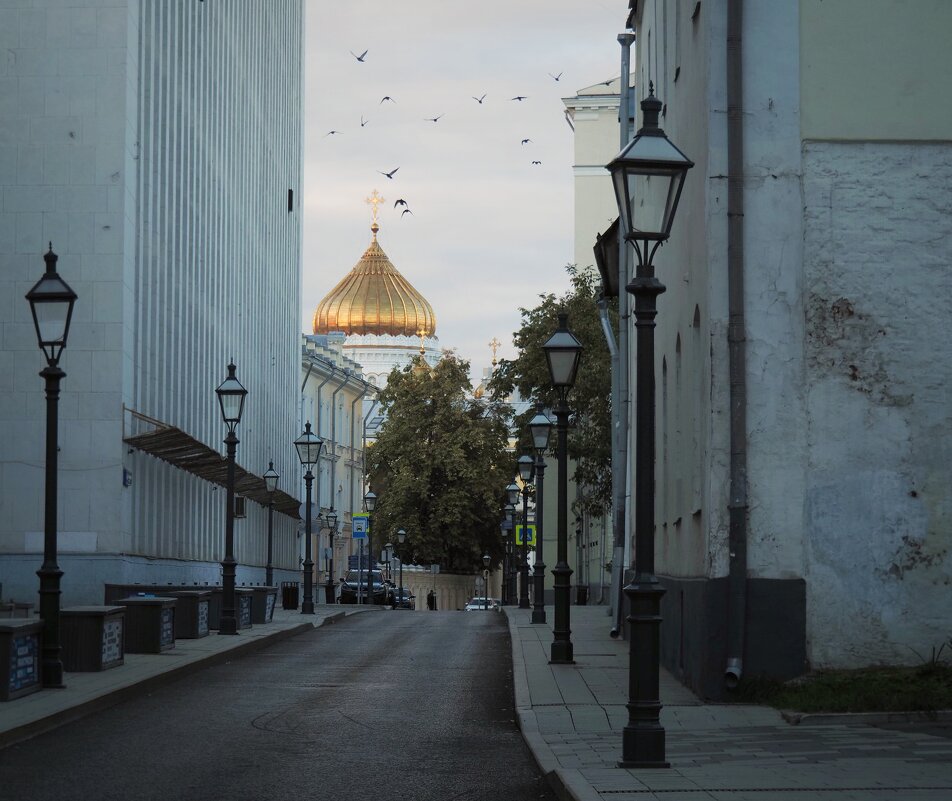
(430, 601)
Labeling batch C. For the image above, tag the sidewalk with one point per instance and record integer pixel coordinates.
(88, 692)
(572, 717)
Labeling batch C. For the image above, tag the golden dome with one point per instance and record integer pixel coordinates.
(374, 298)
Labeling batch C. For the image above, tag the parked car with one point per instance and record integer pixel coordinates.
(379, 592)
(405, 601)
(478, 604)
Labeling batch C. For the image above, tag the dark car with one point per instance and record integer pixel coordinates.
(406, 601)
(379, 591)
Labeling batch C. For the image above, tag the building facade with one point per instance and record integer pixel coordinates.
(805, 275)
(157, 145)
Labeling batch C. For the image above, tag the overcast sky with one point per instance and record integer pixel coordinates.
(489, 231)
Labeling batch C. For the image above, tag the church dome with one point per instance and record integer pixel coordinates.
(374, 298)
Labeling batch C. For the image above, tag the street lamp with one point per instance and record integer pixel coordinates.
(526, 466)
(308, 447)
(540, 427)
(370, 502)
(331, 537)
(486, 559)
(231, 401)
(51, 303)
(401, 538)
(271, 484)
(648, 176)
(510, 512)
(388, 556)
(562, 352)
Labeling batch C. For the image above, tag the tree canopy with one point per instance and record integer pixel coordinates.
(440, 467)
(590, 399)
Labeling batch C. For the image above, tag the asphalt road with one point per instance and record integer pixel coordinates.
(384, 706)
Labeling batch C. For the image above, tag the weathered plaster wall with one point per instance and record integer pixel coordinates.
(878, 295)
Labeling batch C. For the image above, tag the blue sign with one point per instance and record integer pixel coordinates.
(531, 538)
(359, 526)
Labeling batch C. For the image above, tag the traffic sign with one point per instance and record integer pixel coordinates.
(531, 539)
(359, 526)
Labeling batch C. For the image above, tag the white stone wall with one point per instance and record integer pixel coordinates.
(154, 142)
(878, 298)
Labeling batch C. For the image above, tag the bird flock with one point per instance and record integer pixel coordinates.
(364, 58)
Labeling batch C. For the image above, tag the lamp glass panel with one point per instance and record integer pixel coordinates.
(271, 480)
(308, 447)
(539, 427)
(370, 499)
(526, 468)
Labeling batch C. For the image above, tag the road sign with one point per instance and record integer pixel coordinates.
(360, 525)
(531, 539)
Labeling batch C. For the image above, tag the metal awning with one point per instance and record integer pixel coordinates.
(183, 451)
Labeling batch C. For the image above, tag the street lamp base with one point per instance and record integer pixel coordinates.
(228, 625)
(561, 653)
(307, 607)
(643, 747)
(524, 604)
(52, 673)
(538, 615)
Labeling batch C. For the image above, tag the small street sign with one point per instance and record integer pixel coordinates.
(360, 525)
(531, 539)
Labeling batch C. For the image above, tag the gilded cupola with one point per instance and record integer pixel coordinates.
(374, 298)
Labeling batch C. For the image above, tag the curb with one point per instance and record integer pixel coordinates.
(865, 718)
(109, 699)
(544, 757)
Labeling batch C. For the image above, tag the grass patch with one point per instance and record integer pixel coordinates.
(913, 689)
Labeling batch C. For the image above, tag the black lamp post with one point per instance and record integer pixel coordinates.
(231, 399)
(308, 447)
(504, 589)
(370, 503)
(510, 514)
(51, 303)
(648, 176)
(526, 466)
(401, 538)
(562, 352)
(486, 559)
(331, 537)
(512, 496)
(271, 484)
(540, 427)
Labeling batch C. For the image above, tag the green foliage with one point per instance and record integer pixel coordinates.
(440, 467)
(914, 689)
(590, 399)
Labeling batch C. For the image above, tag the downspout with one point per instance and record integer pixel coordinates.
(737, 531)
(620, 421)
(319, 388)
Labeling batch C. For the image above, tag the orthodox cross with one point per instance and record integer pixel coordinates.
(422, 334)
(494, 344)
(374, 200)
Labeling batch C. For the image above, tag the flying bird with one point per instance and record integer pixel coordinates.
(387, 97)
(389, 174)
(526, 141)
(399, 202)
(479, 99)
(434, 119)
(555, 77)
(331, 132)
(360, 58)
(405, 211)
(363, 122)
(520, 98)
(536, 162)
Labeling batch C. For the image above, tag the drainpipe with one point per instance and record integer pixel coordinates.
(319, 388)
(620, 421)
(737, 530)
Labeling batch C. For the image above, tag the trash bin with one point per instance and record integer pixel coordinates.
(289, 594)
(329, 594)
(581, 595)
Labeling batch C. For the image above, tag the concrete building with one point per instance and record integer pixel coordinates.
(336, 399)
(807, 275)
(157, 144)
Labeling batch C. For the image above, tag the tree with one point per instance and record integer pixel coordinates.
(590, 399)
(440, 467)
